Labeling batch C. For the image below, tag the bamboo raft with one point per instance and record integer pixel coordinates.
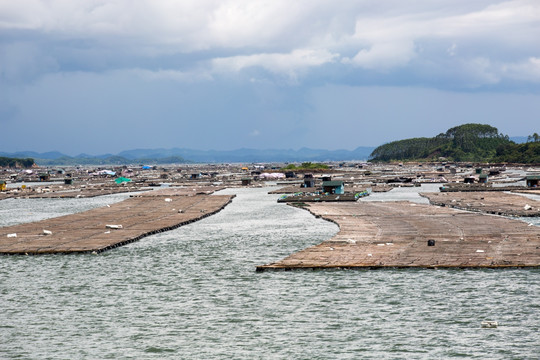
(406, 235)
(108, 227)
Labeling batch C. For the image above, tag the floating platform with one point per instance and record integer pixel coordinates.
(487, 202)
(108, 227)
(407, 235)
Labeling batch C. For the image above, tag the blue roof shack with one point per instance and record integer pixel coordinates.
(334, 187)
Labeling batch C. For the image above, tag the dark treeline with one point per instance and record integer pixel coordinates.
(15, 162)
(306, 166)
(468, 142)
(528, 153)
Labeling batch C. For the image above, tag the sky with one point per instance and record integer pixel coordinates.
(95, 77)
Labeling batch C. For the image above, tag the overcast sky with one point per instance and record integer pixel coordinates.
(105, 76)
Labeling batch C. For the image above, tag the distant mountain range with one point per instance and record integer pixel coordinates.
(253, 155)
(178, 156)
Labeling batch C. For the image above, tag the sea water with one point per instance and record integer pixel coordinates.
(193, 293)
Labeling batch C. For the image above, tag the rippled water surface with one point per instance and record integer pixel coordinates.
(193, 293)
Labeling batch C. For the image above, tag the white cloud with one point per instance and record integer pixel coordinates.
(188, 25)
(528, 70)
(480, 71)
(384, 56)
(387, 42)
(505, 19)
(169, 38)
(288, 64)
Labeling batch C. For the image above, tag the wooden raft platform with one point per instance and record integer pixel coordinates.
(186, 190)
(479, 187)
(320, 198)
(57, 193)
(396, 234)
(487, 202)
(87, 232)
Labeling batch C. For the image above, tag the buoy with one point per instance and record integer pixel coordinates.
(431, 242)
(489, 324)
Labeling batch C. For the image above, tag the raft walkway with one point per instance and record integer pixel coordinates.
(408, 235)
(131, 220)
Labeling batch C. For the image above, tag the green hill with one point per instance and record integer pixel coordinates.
(468, 142)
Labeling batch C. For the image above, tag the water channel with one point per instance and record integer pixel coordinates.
(193, 293)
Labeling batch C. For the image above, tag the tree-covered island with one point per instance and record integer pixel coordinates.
(468, 142)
